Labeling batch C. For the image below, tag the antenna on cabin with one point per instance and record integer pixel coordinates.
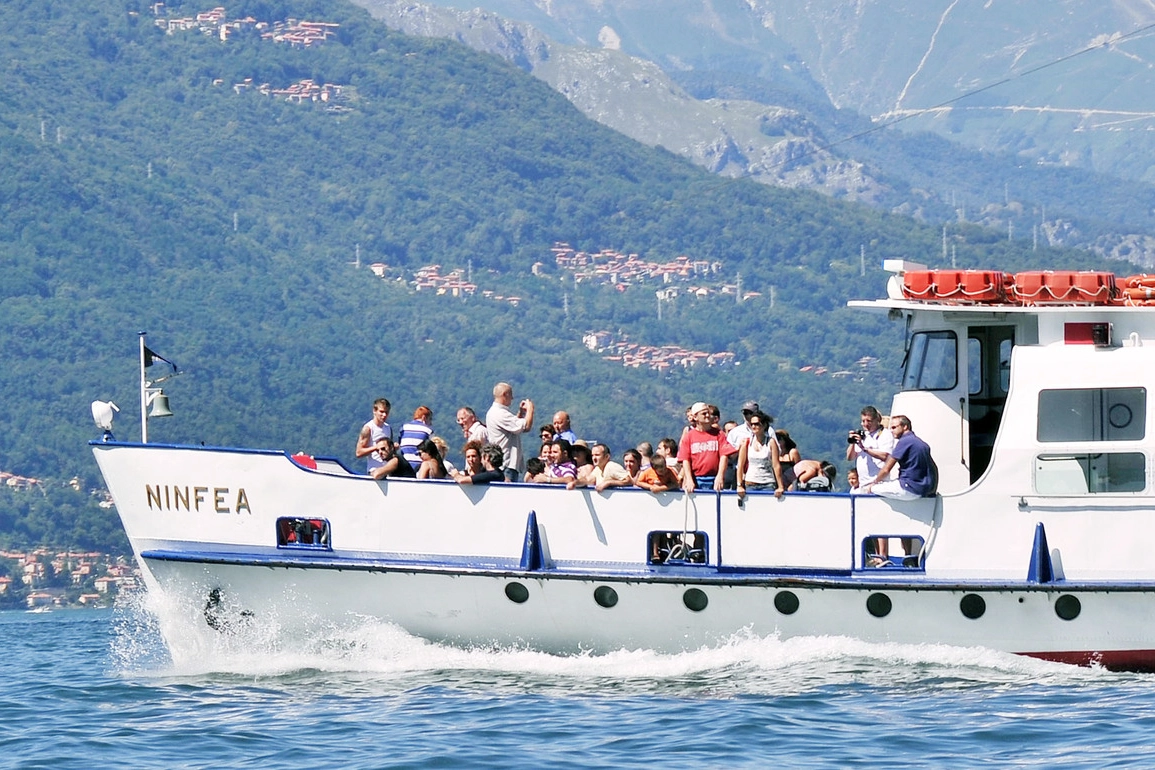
(772, 297)
(944, 243)
(861, 261)
(235, 221)
(43, 128)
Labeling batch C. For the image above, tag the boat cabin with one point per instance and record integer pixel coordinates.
(1044, 372)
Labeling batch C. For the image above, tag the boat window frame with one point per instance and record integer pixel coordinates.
(303, 533)
(1105, 414)
(697, 555)
(1093, 482)
(915, 366)
(976, 367)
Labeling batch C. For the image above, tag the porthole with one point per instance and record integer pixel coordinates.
(516, 592)
(695, 599)
(973, 606)
(1068, 607)
(878, 605)
(1120, 416)
(605, 596)
(786, 602)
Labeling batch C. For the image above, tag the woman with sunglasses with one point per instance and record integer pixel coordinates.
(759, 466)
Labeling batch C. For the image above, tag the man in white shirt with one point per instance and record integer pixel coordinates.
(608, 473)
(505, 428)
(870, 447)
(743, 432)
(472, 428)
(371, 440)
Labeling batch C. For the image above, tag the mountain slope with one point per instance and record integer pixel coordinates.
(729, 85)
(154, 183)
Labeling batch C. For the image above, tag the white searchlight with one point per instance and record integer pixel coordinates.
(102, 414)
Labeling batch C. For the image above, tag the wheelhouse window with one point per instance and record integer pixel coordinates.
(1092, 414)
(1082, 474)
(975, 374)
(931, 361)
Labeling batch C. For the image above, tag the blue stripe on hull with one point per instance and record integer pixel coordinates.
(867, 581)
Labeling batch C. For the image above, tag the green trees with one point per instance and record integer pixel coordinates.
(142, 194)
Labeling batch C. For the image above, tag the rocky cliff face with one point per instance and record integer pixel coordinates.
(635, 96)
(781, 91)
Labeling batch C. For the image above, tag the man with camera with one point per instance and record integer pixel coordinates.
(505, 428)
(870, 446)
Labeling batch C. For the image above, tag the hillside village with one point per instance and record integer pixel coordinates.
(300, 34)
(622, 270)
(677, 277)
(292, 32)
(48, 579)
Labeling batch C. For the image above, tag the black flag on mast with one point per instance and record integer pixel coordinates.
(149, 357)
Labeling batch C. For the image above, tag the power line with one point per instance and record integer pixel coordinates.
(941, 105)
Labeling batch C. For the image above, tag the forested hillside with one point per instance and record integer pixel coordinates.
(147, 187)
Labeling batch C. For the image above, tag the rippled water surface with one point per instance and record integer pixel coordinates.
(99, 688)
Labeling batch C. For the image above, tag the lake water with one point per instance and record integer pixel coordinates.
(97, 688)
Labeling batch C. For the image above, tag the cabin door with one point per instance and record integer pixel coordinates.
(988, 379)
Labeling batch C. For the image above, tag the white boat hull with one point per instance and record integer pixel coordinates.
(568, 571)
(562, 614)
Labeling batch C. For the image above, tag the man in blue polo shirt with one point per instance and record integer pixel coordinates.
(917, 473)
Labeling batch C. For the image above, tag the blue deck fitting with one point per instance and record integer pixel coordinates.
(1040, 570)
(531, 557)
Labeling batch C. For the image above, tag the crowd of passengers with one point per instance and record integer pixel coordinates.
(709, 455)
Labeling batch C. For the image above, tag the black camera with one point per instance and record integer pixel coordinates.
(855, 437)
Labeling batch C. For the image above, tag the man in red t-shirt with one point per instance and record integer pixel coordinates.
(703, 452)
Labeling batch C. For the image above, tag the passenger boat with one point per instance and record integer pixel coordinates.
(1031, 390)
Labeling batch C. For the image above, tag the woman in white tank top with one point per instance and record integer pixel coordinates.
(759, 466)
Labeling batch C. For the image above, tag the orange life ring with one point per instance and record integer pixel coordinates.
(1138, 281)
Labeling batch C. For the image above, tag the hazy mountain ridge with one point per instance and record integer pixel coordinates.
(1073, 112)
(778, 125)
(636, 97)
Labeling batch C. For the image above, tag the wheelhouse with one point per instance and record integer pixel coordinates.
(1048, 372)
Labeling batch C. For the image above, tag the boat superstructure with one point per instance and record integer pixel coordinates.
(1038, 542)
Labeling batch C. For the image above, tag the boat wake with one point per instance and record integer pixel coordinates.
(367, 650)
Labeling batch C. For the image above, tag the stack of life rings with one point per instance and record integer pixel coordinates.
(1039, 287)
(1138, 289)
